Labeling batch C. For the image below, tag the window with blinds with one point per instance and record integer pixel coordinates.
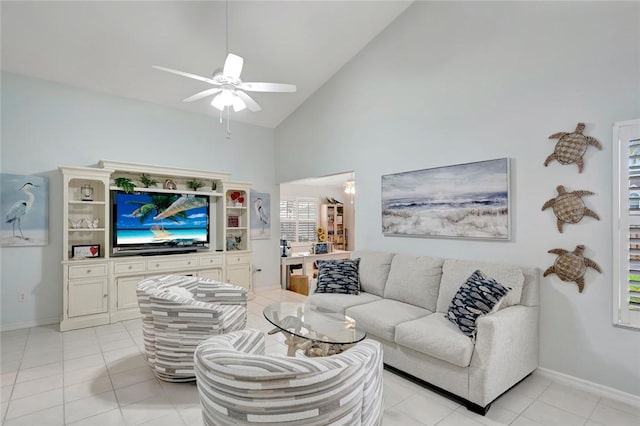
(626, 232)
(299, 219)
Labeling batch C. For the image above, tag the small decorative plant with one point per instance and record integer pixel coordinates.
(194, 184)
(147, 181)
(125, 184)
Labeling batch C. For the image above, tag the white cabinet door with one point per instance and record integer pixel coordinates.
(87, 296)
(212, 274)
(126, 288)
(239, 275)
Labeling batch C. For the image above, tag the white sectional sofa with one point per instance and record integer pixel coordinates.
(402, 304)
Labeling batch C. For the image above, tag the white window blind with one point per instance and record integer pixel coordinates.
(299, 219)
(626, 223)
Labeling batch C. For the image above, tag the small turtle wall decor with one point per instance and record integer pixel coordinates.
(571, 266)
(569, 207)
(571, 147)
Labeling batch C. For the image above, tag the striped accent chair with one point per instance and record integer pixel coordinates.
(239, 385)
(179, 312)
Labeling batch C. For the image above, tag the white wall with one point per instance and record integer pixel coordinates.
(455, 82)
(45, 125)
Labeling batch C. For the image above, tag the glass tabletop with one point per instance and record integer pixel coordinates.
(314, 323)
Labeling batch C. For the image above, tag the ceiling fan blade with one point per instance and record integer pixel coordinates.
(248, 100)
(233, 66)
(186, 74)
(203, 94)
(268, 87)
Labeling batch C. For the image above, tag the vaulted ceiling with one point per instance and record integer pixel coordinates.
(110, 46)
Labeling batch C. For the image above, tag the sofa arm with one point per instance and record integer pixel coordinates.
(506, 350)
(221, 293)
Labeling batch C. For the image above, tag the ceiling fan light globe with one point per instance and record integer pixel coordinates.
(227, 97)
(217, 102)
(238, 104)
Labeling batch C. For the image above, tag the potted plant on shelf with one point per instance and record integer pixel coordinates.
(147, 181)
(194, 184)
(125, 184)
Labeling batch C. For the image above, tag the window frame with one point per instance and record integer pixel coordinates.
(623, 220)
(297, 221)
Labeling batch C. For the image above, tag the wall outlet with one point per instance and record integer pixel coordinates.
(21, 297)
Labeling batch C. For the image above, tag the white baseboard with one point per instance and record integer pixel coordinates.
(29, 324)
(587, 386)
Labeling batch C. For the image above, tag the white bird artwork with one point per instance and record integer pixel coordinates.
(262, 214)
(21, 208)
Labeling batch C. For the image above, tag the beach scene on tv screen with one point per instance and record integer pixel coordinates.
(160, 218)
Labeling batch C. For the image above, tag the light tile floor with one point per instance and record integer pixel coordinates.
(98, 377)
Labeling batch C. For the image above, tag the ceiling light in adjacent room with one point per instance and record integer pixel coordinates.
(350, 187)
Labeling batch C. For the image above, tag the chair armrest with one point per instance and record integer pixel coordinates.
(506, 350)
(221, 293)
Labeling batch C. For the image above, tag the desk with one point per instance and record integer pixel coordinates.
(285, 262)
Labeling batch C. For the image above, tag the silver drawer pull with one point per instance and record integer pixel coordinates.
(130, 267)
(157, 265)
(88, 271)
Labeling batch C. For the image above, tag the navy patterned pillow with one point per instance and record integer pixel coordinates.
(338, 276)
(476, 297)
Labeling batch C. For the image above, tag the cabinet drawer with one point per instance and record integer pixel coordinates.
(211, 260)
(237, 259)
(87, 271)
(123, 268)
(170, 265)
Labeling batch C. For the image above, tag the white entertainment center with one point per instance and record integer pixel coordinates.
(99, 284)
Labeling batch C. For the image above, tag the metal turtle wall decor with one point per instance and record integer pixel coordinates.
(571, 147)
(571, 266)
(569, 207)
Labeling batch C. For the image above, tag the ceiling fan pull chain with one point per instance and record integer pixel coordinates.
(228, 130)
(220, 116)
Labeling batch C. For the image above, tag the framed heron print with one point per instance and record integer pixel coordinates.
(25, 209)
(460, 201)
(260, 222)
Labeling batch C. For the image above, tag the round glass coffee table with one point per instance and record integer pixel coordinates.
(317, 331)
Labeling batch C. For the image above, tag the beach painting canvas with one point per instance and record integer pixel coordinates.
(25, 210)
(460, 201)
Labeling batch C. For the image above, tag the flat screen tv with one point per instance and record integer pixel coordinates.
(157, 223)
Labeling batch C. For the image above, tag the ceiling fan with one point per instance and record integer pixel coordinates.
(230, 90)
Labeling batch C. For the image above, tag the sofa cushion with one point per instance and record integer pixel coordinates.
(381, 318)
(374, 270)
(414, 280)
(455, 272)
(476, 297)
(338, 276)
(340, 302)
(435, 336)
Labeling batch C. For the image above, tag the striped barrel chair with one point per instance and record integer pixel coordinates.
(239, 385)
(179, 312)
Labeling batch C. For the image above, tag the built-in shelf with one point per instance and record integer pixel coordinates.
(97, 203)
(169, 191)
